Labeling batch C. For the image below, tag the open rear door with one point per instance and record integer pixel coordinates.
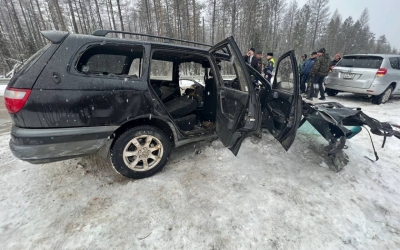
(282, 109)
(238, 112)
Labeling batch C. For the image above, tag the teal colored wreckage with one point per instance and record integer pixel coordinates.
(337, 123)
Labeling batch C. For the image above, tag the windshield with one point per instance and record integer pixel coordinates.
(369, 62)
(22, 68)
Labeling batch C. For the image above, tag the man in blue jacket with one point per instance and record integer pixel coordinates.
(305, 72)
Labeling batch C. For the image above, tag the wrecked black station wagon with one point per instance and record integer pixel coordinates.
(122, 99)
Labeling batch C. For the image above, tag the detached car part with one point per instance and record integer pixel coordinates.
(334, 121)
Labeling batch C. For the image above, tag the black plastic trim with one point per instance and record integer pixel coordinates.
(55, 36)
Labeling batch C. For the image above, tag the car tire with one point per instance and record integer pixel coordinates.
(331, 92)
(140, 152)
(384, 97)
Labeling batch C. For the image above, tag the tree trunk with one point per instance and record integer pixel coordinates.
(84, 19)
(93, 22)
(35, 25)
(57, 6)
(112, 15)
(120, 18)
(19, 29)
(158, 21)
(213, 21)
(109, 17)
(98, 14)
(233, 18)
(40, 14)
(175, 19)
(26, 21)
(72, 17)
(148, 14)
(161, 17)
(79, 18)
(194, 20)
(204, 32)
(188, 20)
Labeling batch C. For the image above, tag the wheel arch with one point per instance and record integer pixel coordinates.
(148, 120)
(394, 84)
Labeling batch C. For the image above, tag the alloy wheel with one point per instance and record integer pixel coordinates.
(387, 94)
(143, 152)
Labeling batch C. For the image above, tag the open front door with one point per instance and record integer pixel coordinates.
(282, 109)
(238, 112)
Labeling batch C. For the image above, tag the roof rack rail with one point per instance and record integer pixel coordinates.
(105, 32)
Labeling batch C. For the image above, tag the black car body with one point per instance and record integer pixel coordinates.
(87, 94)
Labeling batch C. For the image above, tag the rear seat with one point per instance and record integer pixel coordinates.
(167, 93)
(181, 106)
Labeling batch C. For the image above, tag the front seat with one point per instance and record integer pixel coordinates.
(210, 100)
(181, 106)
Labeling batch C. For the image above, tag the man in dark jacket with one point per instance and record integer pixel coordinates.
(303, 60)
(259, 61)
(318, 72)
(250, 58)
(306, 70)
(336, 60)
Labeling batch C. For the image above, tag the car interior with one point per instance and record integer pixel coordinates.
(192, 108)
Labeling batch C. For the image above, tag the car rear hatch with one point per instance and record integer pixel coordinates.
(26, 74)
(356, 71)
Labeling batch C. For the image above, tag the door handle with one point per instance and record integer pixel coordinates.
(221, 96)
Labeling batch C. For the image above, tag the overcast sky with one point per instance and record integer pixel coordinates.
(384, 15)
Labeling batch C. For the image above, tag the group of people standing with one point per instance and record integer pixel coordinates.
(255, 60)
(313, 71)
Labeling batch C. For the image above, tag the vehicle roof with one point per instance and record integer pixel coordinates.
(113, 39)
(382, 55)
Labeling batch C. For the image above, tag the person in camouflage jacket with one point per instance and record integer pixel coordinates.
(318, 72)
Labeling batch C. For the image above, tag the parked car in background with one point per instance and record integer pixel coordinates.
(377, 75)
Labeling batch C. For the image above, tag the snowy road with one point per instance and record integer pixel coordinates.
(205, 198)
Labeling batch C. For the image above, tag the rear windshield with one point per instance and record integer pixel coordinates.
(369, 62)
(28, 63)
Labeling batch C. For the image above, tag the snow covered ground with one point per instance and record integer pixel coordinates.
(205, 198)
(2, 89)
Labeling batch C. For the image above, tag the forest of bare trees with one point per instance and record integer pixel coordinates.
(267, 25)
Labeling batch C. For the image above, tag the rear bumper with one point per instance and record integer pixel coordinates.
(48, 145)
(376, 88)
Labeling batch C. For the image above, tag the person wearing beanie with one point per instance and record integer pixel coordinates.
(269, 66)
(318, 72)
(259, 61)
(305, 71)
(250, 58)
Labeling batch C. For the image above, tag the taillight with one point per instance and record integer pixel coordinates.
(330, 70)
(15, 99)
(381, 72)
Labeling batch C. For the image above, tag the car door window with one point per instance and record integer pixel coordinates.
(233, 78)
(394, 62)
(115, 60)
(284, 76)
(111, 64)
(232, 74)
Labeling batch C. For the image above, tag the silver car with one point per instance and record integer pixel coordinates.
(377, 75)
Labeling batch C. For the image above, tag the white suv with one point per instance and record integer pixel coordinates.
(371, 74)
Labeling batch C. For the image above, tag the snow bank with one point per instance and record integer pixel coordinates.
(2, 89)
